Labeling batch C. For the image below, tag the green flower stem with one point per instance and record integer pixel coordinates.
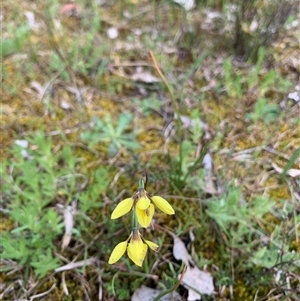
(134, 221)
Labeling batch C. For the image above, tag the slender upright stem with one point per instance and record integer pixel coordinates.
(134, 221)
(170, 89)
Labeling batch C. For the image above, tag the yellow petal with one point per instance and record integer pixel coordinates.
(144, 217)
(137, 252)
(143, 203)
(122, 208)
(151, 245)
(117, 252)
(163, 205)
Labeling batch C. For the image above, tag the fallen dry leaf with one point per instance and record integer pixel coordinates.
(294, 96)
(112, 33)
(31, 20)
(78, 264)
(209, 185)
(70, 9)
(144, 76)
(145, 293)
(186, 4)
(24, 145)
(38, 88)
(294, 173)
(69, 222)
(180, 252)
(197, 282)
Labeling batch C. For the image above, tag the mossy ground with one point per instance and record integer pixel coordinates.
(67, 70)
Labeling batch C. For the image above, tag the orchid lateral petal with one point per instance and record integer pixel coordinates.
(163, 205)
(117, 252)
(122, 208)
(153, 246)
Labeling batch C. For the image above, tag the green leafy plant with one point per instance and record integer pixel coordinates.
(82, 52)
(89, 198)
(185, 164)
(233, 82)
(33, 179)
(118, 287)
(29, 188)
(242, 222)
(147, 105)
(15, 40)
(258, 79)
(116, 137)
(264, 111)
(224, 210)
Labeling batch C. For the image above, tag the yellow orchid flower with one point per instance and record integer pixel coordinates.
(136, 248)
(142, 204)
